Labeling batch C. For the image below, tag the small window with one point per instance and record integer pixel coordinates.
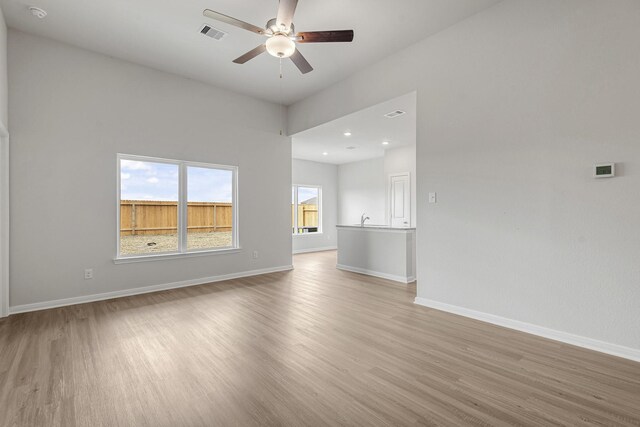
(306, 209)
(173, 207)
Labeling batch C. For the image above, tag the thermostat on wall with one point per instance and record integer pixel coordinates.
(604, 170)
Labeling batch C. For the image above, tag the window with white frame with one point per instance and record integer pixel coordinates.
(306, 202)
(173, 207)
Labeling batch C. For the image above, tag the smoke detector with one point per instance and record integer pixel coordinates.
(37, 12)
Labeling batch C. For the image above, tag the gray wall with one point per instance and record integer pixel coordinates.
(364, 186)
(361, 189)
(515, 105)
(4, 93)
(4, 173)
(305, 172)
(71, 112)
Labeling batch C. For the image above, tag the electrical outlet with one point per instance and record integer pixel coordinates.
(88, 273)
(255, 254)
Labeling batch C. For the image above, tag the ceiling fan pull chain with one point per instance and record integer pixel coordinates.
(281, 103)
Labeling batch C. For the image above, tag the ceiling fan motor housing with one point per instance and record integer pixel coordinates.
(280, 43)
(272, 27)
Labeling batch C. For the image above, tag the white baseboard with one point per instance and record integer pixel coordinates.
(395, 278)
(144, 290)
(564, 337)
(306, 251)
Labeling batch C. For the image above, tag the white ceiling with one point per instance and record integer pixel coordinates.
(368, 127)
(164, 34)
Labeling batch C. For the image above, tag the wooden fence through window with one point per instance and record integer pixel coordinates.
(143, 217)
(307, 215)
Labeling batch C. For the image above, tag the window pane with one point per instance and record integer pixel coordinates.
(209, 208)
(308, 198)
(148, 207)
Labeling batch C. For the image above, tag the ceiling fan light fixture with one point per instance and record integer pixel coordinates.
(280, 46)
(282, 36)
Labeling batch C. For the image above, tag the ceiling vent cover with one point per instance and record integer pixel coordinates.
(214, 33)
(394, 114)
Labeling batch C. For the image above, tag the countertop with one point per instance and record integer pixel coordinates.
(376, 227)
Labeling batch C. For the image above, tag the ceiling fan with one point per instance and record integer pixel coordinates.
(282, 37)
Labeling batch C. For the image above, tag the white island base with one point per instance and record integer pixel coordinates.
(378, 251)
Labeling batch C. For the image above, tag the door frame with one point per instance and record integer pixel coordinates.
(390, 195)
(4, 221)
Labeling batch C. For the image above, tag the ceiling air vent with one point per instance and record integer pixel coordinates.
(214, 33)
(394, 114)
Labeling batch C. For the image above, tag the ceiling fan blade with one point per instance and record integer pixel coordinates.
(286, 9)
(325, 36)
(251, 54)
(232, 21)
(301, 62)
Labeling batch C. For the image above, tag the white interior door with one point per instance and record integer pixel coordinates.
(400, 200)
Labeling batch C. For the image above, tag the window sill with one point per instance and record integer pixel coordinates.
(317, 233)
(162, 257)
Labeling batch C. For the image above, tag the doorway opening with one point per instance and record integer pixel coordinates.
(365, 163)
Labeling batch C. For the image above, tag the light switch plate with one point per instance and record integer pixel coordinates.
(433, 198)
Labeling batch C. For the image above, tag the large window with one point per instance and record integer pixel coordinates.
(173, 207)
(306, 209)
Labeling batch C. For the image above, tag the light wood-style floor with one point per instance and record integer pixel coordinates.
(315, 346)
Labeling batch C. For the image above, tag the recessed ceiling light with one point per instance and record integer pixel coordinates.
(325, 154)
(37, 12)
(385, 142)
(347, 133)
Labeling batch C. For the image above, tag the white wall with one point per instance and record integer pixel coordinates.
(514, 106)
(399, 160)
(71, 111)
(305, 172)
(364, 186)
(361, 189)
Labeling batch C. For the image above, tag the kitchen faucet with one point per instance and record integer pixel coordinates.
(363, 219)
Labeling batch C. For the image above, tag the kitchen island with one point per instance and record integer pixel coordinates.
(378, 250)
